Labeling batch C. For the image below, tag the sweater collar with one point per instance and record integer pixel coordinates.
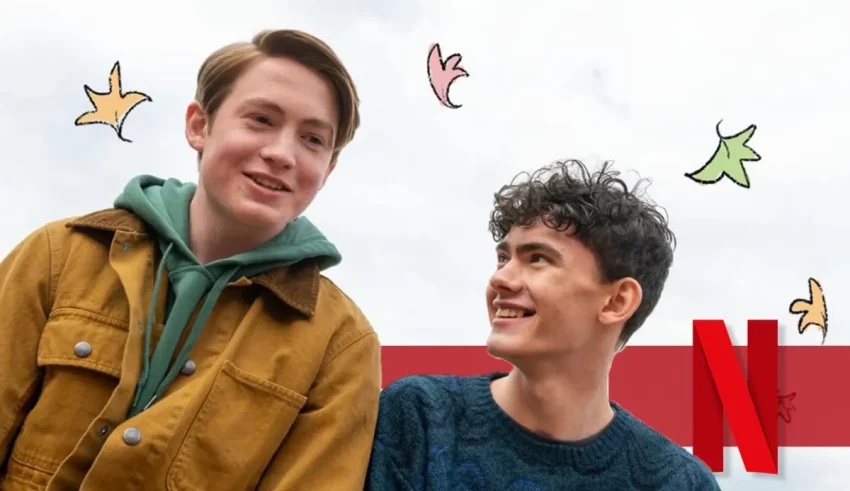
(583, 456)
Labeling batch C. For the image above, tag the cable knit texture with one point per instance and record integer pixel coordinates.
(446, 433)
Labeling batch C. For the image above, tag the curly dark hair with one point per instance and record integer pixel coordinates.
(629, 236)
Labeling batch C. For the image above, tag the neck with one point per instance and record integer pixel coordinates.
(212, 238)
(560, 401)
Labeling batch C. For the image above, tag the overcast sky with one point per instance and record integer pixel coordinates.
(643, 84)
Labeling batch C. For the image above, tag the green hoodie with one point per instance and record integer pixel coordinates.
(164, 206)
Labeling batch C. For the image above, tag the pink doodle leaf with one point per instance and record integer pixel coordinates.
(441, 74)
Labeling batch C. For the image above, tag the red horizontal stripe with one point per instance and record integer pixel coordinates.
(654, 384)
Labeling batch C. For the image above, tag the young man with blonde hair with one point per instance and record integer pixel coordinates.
(186, 338)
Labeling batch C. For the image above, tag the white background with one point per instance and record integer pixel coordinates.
(641, 83)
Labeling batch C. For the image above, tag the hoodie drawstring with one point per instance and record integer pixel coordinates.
(146, 366)
(154, 378)
(203, 314)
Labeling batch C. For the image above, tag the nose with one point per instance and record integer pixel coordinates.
(506, 279)
(280, 151)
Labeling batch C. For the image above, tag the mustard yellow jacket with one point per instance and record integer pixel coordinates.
(281, 391)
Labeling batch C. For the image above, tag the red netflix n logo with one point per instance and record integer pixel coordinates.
(718, 385)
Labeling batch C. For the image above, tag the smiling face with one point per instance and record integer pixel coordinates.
(547, 297)
(268, 150)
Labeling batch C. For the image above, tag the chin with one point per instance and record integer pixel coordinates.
(503, 346)
(259, 215)
(251, 221)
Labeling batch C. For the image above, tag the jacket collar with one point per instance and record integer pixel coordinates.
(296, 285)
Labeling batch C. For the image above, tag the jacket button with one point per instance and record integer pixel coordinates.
(82, 349)
(188, 368)
(132, 436)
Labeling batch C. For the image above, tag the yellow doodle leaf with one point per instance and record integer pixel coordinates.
(112, 107)
(813, 309)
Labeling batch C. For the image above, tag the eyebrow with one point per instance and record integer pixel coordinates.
(271, 106)
(531, 247)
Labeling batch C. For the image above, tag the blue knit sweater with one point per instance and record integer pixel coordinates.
(446, 433)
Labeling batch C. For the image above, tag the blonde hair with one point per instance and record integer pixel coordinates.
(222, 68)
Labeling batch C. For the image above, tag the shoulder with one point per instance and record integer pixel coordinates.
(332, 298)
(60, 229)
(414, 405)
(426, 398)
(74, 234)
(682, 470)
(46, 250)
(419, 390)
(59, 237)
(109, 220)
(350, 325)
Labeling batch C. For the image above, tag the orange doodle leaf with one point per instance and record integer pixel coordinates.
(813, 309)
(111, 107)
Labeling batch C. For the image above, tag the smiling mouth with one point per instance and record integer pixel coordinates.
(513, 313)
(267, 183)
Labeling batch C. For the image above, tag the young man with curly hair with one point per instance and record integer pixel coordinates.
(185, 338)
(581, 262)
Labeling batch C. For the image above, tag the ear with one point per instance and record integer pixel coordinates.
(625, 297)
(196, 126)
(331, 168)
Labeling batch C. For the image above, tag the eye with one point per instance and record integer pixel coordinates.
(501, 258)
(538, 258)
(315, 140)
(259, 118)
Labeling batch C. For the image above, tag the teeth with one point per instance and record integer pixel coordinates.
(266, 183)
(509, 313)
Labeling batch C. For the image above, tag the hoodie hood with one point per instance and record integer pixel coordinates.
(164, 206)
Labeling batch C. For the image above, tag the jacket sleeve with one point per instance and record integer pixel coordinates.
(25, 299)
(329, 444)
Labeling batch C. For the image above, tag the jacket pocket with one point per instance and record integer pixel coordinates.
(234, 436)
(80, 354)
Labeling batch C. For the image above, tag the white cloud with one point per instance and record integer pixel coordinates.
(641, 83)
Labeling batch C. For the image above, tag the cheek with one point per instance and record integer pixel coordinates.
(232, 142)
(238, 147)
(311, 174)
(489, 296)
(216, 170)
(559, 301)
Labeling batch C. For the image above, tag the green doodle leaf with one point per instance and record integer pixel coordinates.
(728, 160)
